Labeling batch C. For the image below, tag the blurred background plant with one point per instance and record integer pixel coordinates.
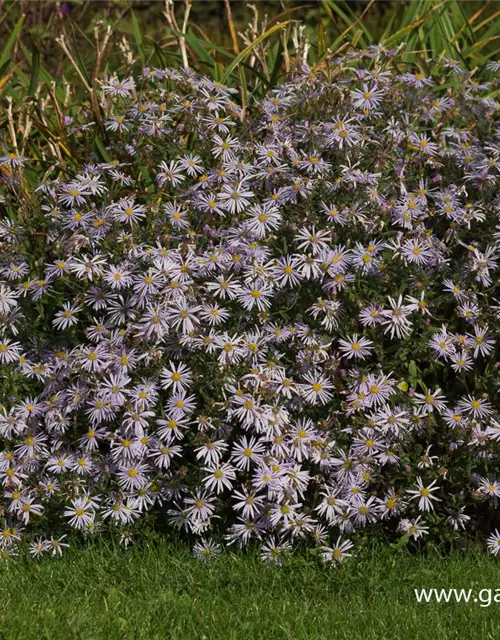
(54, 54)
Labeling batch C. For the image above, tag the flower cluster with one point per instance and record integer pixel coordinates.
(275, 325)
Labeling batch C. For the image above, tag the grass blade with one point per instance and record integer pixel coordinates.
(248, 50)
(78, 58)
(138, 38)
(12, 40)
(35, 71)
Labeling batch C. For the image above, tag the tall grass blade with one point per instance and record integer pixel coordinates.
(248, 50)
(11, 40)
(139, 41)
(35, 71)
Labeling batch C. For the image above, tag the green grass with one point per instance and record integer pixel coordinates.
(159, 591)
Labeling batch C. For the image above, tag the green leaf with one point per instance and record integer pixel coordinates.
(35, 71)
(159, 53)
(277, 65)
(350, 19)
(11, 41)
(199, 47)
(78, 58)
(138, 38)
(248, 50)
(102, 149)
(412, 369)
(3, 68)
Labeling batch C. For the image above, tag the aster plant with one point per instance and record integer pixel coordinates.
(275, 326)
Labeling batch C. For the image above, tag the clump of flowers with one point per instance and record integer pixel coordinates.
(272, 327)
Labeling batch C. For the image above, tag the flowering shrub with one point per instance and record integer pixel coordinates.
(275, 326)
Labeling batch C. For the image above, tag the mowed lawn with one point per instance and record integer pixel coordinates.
(157, 590)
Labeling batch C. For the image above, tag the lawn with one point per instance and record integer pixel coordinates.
(379, 170)
(158, 591)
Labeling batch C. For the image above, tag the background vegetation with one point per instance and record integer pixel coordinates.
(54, 54)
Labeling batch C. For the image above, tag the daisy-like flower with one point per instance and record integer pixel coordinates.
(461, 361)
(212, 451)
(118, 88)
(128, 211)
(493, 543)
(183, 317)
(338, 553)
(312, 239)
(494, 65)
(116, 123)
(214, 315)
(179, 377)
(225, 147)
(416, 528)
(286, 271)
(9, 351)
(92, 359)
(417, 80)
(170, 174)
(415, 251)
(66, 317)
(355, 347)
(181, 404)
(81, 513)
(132, 476)
(442, 344)
(425, 495)
(477, 407)
(172, 426)
(220, 477)
(483, 344)
(118, 277)
(74, 194)
(364, 509)
(371, 315)
(368, 97)
(200, 506)
(29, 508)
(263, 219)
(192, 164)
(316, 389)
(164, 454)
(458, 520)
(274, 552)
(8, 299)
(236, 197)
(177, 215)
(255, 295)
(248, 503)
(206, 550)
(395, 319)
(331, 505)
(376, 390)
(13, 160)
(431, 401)
(283, 513)
(38, 547)
(423, 143)
(453, 288)
(224, 287)
(55, 546)
(247, 451)
(489, 487)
